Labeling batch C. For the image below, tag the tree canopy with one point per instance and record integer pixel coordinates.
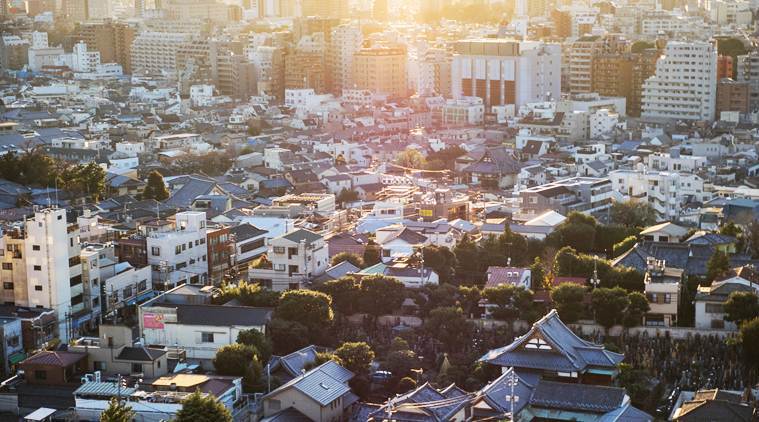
(117, 411)
(356, 357)
(633, 213)
(741, 307)
(155, 188)
(350, 257)
(199, 407)
(568, 299)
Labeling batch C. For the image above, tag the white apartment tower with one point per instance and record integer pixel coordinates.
(157, 51)
(346, 40)
(502, 72)
(684, 85)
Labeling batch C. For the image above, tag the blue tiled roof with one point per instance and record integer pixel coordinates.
(577, 397)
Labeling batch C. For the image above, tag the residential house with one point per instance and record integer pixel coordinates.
(321, 395)
(50, 378)
(113, 352)
(495, 168)
(710, 300)
(662, 288)
(295, 258)
(399, 241)
(411, 274)
(664, 232)
(713, 405)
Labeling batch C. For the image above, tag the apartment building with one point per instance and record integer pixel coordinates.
(177, 252)
(113, 40)
(269, 65)
(666, 191)
(304, 70)
(465, 111)
(381, 69)
(748, 71)
(41, 266)
(345, 41)
(684, 85)
(434, 72)
(502, 72)
(295, 259)
(583, 194)
(733, 96)
(156, 51)
(14, 52)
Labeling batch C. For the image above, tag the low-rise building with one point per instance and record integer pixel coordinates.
(662, 288)
(295, 259)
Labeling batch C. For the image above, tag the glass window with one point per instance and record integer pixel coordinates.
(206, 337)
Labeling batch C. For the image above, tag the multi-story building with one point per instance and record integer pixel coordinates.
(724, 67)
(435, 72)
(748, 71)
(582, 55)
(644, 66)
(588, 195)
(666, 191)
(221, 250)
(113, 40)
(178, 253)
(684, 85)
(305, 71)
(733, 96)
(13, 52)
(345, 41)
(662, 287)
(41, 265)
(156, 51)
(75, 10)
(189, 10)
(295, 259)
(269, 63)
(503, 72)
(381, 69)
(466, 111)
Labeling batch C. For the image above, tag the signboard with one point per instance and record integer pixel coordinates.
(150, 320)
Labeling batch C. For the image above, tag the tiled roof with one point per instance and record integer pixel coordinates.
(577, 397)
(140, 353)
(58, 358)
(302, 234)
(504, 275)
(323, 384)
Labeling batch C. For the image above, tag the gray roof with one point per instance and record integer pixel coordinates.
(222, 316)
(577, 397)
(140, 353)
(302, 234)
(570, 353)
(295, 362)
(323, 384)
(246, 231)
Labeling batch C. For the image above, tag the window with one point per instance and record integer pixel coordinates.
(35, 247)
(40, 375)
(206, 337)
(136, 368)
(98, 365)
(181, 265)
(279, 249)
(38, 268)
(189, 245)
(7, 266)
(155, 251)
(177, 250)
(142, 285)
(128, 292)
(38, 288)
(8, 286)
(714, 308)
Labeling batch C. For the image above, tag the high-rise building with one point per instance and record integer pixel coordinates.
(644, 66)
(583, 52)
(99, 9)
(381, 69)
(732, 96)
(156, 51)
(112, 39)
(344, 42)
(14, 52)
(75, 10)
(435, 72)
(35, 7)
(685, 83)
(748, 71)
(724, 67)
(305, 70)
(188, 10)
(324, 8)
(502, 71)
(269, 63)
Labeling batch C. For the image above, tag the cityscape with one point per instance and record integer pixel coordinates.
(379, 210)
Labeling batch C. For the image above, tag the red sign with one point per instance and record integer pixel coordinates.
(153, 321)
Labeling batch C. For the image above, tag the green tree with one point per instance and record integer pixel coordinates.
(117, 412)
(750, 342)
(308, 307)
(624, 246)
(234, 359)
(350, 257)
(380, 295)
(717, 266)
(257, 340)
(155, 188)
(639, 46)
(411, 158)
(344, 292)
(633, 213)
(357, 357)
(199, 407)
(636, 310)
(441, 260)
(469, 297)
(346, 195)
(609, 305)
(512, 301)
(248, 294)
(287, 336)
(538, 274)
(577, 231)
(741, 307)
(371, 254)
(752, 237)
(468, 260)
(568, 299)
(448, 325)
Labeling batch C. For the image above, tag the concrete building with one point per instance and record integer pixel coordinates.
(345, 41)
(583, 194)
(381, 70)
(13, 52)
(296, 258)
(503, 72)
(733, 96)
(662, 288)
(684, 85)
(156, 51)
(748, 71)
(177, 252)
(434, 72)
(582, 54)
(113, 40)
(666, 191)
(466, 111)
